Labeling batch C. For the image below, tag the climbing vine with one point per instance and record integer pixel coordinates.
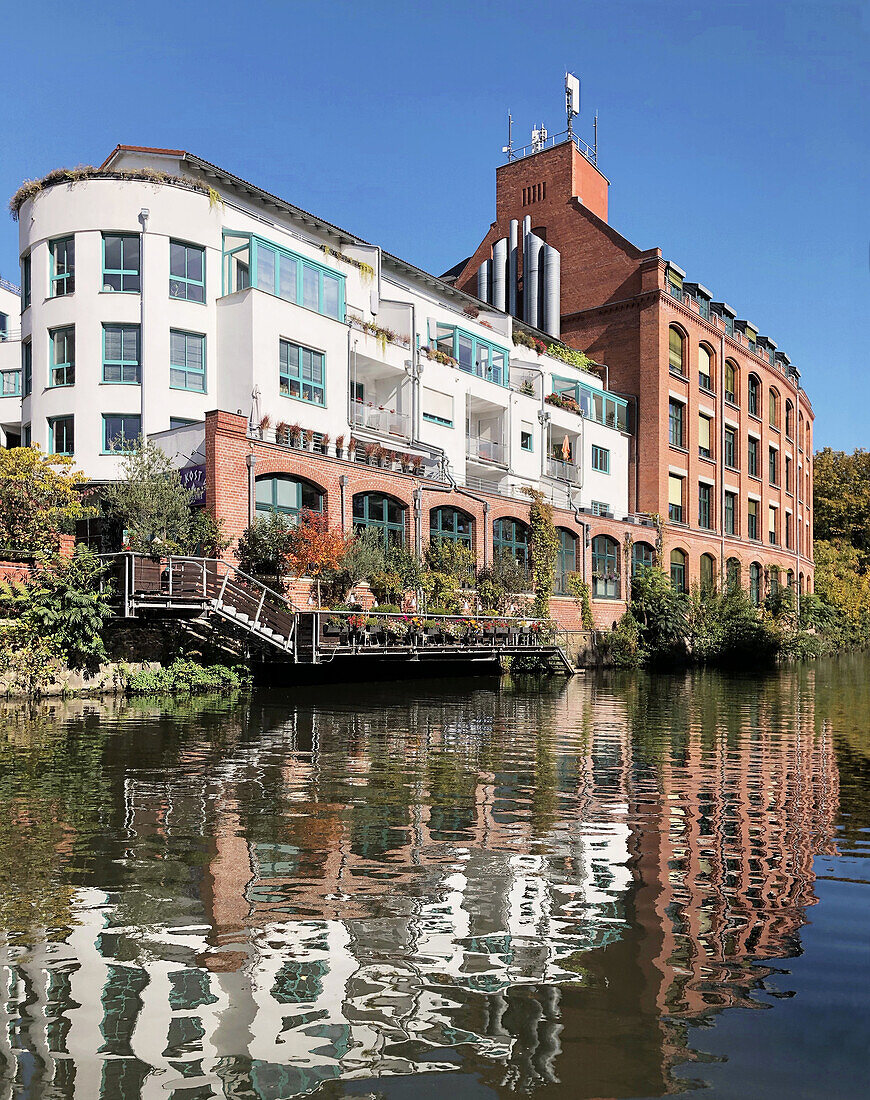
(579, 589)
(543, 547)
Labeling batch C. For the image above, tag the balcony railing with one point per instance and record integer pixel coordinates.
(485, 450)
(381, 420)
(565, 471)
(10, 335)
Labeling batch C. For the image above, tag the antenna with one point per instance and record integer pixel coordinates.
(539, 138)
(572, 100)
(596, 138)
(509, 148)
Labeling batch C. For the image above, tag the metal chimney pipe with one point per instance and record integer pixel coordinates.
(484, 280)
(552, 291)
(499, 273)
(532, 255)
(513, 267)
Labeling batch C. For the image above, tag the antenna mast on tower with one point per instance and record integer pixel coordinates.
(509, 148)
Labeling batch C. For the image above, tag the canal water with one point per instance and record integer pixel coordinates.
(620, 886)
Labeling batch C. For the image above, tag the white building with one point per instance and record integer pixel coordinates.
(10, 364)
(151, 299)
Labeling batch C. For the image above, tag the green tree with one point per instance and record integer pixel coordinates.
(543, 548)
(264, 549)
(40, 498)
(841, 497)
(151, 503)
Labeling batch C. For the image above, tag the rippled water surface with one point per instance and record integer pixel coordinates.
(619, 887)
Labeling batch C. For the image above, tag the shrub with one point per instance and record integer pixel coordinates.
(264, 549)
(188, 677)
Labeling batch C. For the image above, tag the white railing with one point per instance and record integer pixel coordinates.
(10, 335)
(381, 420)
(564, 471)
(485, 450)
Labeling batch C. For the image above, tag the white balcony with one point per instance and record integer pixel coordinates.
(564, 471)
(487, 451)
(382, 420)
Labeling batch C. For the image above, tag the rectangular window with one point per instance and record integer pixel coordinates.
(62, 346)
(675, 424)
(25, 281)
(752, 457)
(731, 448)
(120, 431)
(600, 508)
(788, 530)
(181, 422)
(675, 499)
(186, 361)
(301, 372)
(526, 439)
(773, 465)
(730, 513)
(472, 353)
(61, 439)
(705, 506)
(121, 262)
(186, 271)
(10, 383)
(752, 520)
(62, 278)
(26, 435)
(704, 448)
(121, 354)
(787, 474)
(437, 406)
(285, 274)
(27, 368)
(600, 459)
(771, 525)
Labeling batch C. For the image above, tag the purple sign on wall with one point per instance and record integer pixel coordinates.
(193, 479)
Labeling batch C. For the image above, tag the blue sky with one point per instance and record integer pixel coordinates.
(735, 135)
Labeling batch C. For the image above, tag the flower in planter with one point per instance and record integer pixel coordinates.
(357, 623)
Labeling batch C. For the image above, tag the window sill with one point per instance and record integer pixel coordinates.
(172, 298)
(706, 390)
(676, 374)
(732, 469)
(304, 400)
(105, 383)
(731, 402)
(754, 477)
(115, 293)
(680, 450)
(707, 458)
(755, 417)
(188, 389)
(61, 386)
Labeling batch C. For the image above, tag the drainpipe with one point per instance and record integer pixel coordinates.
(144, 214)
(251, 461)
(418, 521)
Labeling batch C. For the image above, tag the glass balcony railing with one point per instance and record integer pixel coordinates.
(381, 420)
(565, 471)
(485, 450)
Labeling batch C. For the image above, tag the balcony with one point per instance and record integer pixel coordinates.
(381, 420)
(564, 471)
(485, 450)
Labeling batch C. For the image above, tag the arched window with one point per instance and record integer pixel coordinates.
(807, 446)
(755, 583)
(511, 536)
(705, 367)
(789, 419)
(732, 572)
(642, 554)
(566, 559)
(753, 394)
(679, 578)
(380, 513)
(773, 408)
(708, 573)
(286, 495)
(451, 523)
(605, 568)
(732, 379)
(801, 584)
(675, 338)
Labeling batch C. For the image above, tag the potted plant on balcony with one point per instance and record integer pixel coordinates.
(386, 458)
(371, 453)
(419, 468)
(356, 625)
(264, 425)
(324, 443)
(406, 463)
(527, 387)
(293, 435)
(339, 446)
(351, 449)
(305, 438)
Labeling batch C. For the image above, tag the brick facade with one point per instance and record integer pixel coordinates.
(232, 458)
(616, 307)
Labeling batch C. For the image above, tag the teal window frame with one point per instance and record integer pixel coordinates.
(10, 383)
(678, 570)
(441, 421)
(566, 560)
(474, 354)
(26, 282)
(598, 405)
(600, 459)
(730, 509)
(273, 491)
(307, 373)
(62, 273)
(451, 523)
(296, 280)
(123, 273)
(371, 511)
(68, 423)
(62, 372)
(26, 368)
(606, 570)
(676, 424)
(184, 374)
(730, 448)
(184, 287)
(643, 555)
(126, 367)
(181, 422)
(512, 536)
(106, 417)
(599, 507)
(527, 441)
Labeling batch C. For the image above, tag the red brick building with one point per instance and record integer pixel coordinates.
(723, 429)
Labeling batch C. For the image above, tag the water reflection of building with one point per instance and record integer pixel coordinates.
(518, 885)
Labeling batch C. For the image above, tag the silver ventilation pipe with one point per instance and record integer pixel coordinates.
(499, 274)
(484, 281)
(552, 287)
(513, 267)
(533, 248)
